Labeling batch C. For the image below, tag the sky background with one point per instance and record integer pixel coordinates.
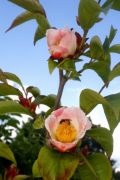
(18, 54)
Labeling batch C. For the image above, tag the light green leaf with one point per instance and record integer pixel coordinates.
(35, 169)
(115, 72)
(88, 13)
(115, 48)
(6, 152)
(89, 99)
(56, 165)
(103, 137)
(96, 167)
(30, 5)
(25, 16)
(6, 89)
(12, 107)
(39, 122)
(42, 22)
(21, 177)
(96, 48)
(52, 65)
(112, 34)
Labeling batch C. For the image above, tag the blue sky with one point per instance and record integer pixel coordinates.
(18, 54)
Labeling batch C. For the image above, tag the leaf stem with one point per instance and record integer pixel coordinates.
(62, 80)
(102, 88)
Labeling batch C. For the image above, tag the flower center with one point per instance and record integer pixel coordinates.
(65, 132)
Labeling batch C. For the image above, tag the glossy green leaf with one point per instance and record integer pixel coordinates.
(52, 65)
(96, 167)
(12, 107)
(6, 89)
(88, 13)
(13, 77)
(114, 101)
(115, 48)
(115, 72)
(25, 16)
(21, 177)
(35, 169)
(30, 5)
(39, 122)
(89, 99)
(56, 165)
(33, 90)
(6, 152)
(96, 48)
(112, 34)
(104, 137)
(46, 100)
(102, 68)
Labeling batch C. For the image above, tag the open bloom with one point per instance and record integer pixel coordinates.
(61, 42)
(66, 126)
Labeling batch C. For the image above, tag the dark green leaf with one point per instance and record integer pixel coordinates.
(107, 6)
(103, 137)
(96, 167)
(55, 165)
(89, 99)
(88, 13)
(116, 5)
(42, 22)
(30, 5)
(67, 64)
(6, 89)
(39, 34)
(25, 16)
(6, 152)
(52, 65)
(115, 48)
(102, 68)
(106, 45)
(96, 48)
(33, 90)
(12, 107)
(35, 169)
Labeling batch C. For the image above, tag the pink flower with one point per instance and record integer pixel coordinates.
(66, 126)
(61, 42)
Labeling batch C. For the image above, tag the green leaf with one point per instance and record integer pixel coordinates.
(96, 48)
(114, 101)
(115, 48)
(25, 16)
(33, 90)
(2, 76)
(12, 107)
(55, 165)
(96, 166)
(46, 100)
(52, 65)
(107, 6)
(67, 64)
(116, 5)
(13, 77)
(21, 177)
(39, 122)
(35, 169)
(6, 152)
(102, 68)
(112, 34)
(88, 13)
(6, 89)
(30, 5)
(106, 45)
(103, 137)
(42, 22)
(115, 72)
(39, 34)
(89, 99)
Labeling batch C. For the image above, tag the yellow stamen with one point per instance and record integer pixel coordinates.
(65, 132)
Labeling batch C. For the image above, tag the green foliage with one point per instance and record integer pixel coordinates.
(39, 122)
(35, 169)
(6, 89)
(6, 152)
(92, 169)
(114, 4)
(61, 166)
(88, 13)
(89, 99)
(33, 90)
(103, 137)
(52, 65)
(115, 48)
